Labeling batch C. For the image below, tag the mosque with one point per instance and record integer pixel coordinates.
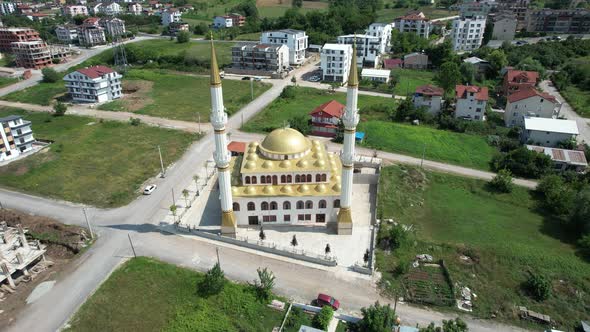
(287, 179)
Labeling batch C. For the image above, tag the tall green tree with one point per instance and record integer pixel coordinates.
(467, 72)
(449, 76)
(498, 60)
(377, 318)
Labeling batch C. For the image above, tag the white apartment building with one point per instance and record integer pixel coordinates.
(134, 8)
(428, 97)
(467, 33)
(504, 26)
(16, 137)
(367, 49)
(94, 84)
(113, 26)
(90, 35)
(272, 58)
(296, 41)
(532, 103)
(67, 34)
(415, 22)
(7, 8)
(382, 31)
(171, 15)
(335, 62)
(110, 9)
(222, 22)
(73, 10)
(548, 132)
(471, 102)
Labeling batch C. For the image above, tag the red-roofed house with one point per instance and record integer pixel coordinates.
(325, 118)
(529, 102)
(94, 84)
(471, 102)
(429, 97)
(236, 148)
(393, 63)
(414, 22)
(515, 80)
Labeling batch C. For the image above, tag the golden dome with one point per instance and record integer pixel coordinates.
(252, 157)
(302, 163)
(287, 189)
(250, 190)
(285, 141)
(303, 188)
(250, 165)
(252, 145)
(316, 142)
(234, 190)
(336, 187)
(285, 164)
(268, 190)
(320, 188)
(320, 163)
(267, 164)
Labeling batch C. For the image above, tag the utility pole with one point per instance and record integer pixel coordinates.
(423, 155)
(88, 223)
(173, 199)
(132, 248)
(161, 162)
(199, 114)
(242, 118)
(218, 261)
(252, 87)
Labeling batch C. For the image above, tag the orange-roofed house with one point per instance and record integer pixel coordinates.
(515, 80)
(325, 119)
(414, 22)
(236, 148)
(471, 102)
(430, 97)
(529, 102)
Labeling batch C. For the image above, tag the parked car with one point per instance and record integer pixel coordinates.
(149, 189)
(324, 300)
(246, 78)
(257, 79)
(521, 42)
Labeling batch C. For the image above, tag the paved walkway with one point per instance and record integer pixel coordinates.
(568, 112)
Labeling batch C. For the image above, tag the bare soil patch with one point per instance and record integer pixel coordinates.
(136, 94)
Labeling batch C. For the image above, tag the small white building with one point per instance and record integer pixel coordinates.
(429, 97)
(16, 137)
(222, 22)
(504, 26)
(94, 84)
(73, 10)
(563, 160)
(335, 62)
(414, 22)
(532, 103)
(376, 75)
(548, 132)
(467, 33)
(471, 102)
(67, 34)
(296, 41)
(134, 8)
(171, 15)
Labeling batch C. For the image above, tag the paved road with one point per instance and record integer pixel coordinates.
(568, 112)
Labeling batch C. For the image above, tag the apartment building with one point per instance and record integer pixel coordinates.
(429, 97)
(171, 15)
(110, 8)
(571, 21)
(269, 58)
(90, 35)
(16, 137)
(518, 8)
(73, 10)
(94, 84)
(134, 8)
(370, 46)
(504, 26)
(530, 102)
(31, 54)
(475, 8)
(471, 102)
(228, 21)
(11, 35)
(295, 40)
(414, 22)
(113, 26)
(335, 62)
(7, 8)
(467, 33)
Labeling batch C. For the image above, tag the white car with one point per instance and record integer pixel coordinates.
(149, 189)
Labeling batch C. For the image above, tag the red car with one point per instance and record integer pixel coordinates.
(324, 299)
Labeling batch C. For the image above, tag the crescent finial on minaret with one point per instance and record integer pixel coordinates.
(215, 78)
(353, 79)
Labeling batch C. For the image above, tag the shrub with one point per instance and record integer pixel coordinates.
(523, 162)
(60, 108)
(301, 124)
(584, 245)
(402, 267)
(322, 319)
(213, 282)
(502, 182)
(295, 317)
(377, 318)
(50, 75)
(134, 121)
(264, 286)
(289, 92)
(397, 236)
(182, 37)
(558, 197)
(538, 286)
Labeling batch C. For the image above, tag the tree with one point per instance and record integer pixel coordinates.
(538, 286)
(79, 19)
(502, 182)
(328, 250)
(173, 209)
(339, 138)
(201, 29)
(297, 3)
(523, 162)
(448, 76)
(530, 64)
(185, 195)
(397, 236)
(498, 60)
(301, 124)
(262, 235)
(294, 80)
(366, 256)
(584, 246)
(50, 75)
(322, 319)
(60, 108)
(196, 178)
(377, 318)
(213, 282)
(405, 110)
(265, 285)
(580, 219)
(294, 242)
(558, 197)
(456, 325)
(183, 37)
(467, 72)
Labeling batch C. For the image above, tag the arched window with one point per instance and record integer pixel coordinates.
(254, 180)
(236, 206)
(309, 205)
(268, 179)
(275, 180)
(318, 178)
(251, 206)
(273, 206)
(302, 177)
(247, 180)
(322, 204)
(264, 206)
(297, 178)
(286, 205)
(299, 205)
(262, 179)
(337, 203)
(309, 178)
(289, 179)
(324, 177)
(283, 179)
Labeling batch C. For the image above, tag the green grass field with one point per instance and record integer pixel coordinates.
(578, 99)
(181, 97)
(504, 233)
(281, 110)
(40, 94)
(102, 163)
(409, 79)
(147, 295)
(5, 81)
(388, 15)
(456, 148)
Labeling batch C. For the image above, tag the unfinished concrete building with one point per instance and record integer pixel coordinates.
(17, 256)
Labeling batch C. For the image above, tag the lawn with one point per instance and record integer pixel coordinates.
(467, 150)
(101, 163)
(182, 97)
(578, 99)
(387, 15)
(147, 295)
(504, 234)
(281, 110)
(5, 81)
(40, 94)
(409, 79)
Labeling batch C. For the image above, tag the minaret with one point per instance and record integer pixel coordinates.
(221, 154)
(350, 119)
